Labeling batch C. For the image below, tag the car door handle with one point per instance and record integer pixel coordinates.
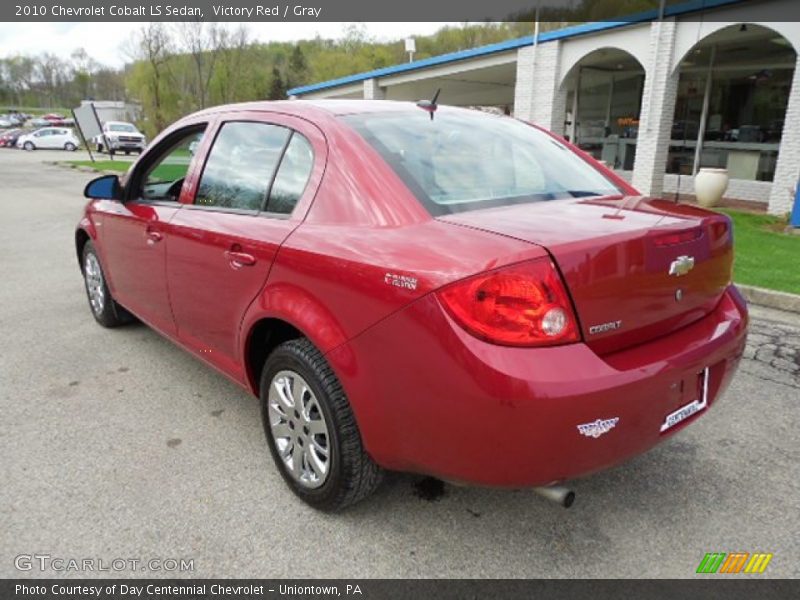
(153, 236)
(240, 259)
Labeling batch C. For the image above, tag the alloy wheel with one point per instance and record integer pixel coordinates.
(299, 429)
(94, 283)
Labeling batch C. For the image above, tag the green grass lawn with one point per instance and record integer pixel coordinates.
(765, 257)
(101, 165)
(163, 172)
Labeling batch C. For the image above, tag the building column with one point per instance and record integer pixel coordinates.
(537, 95)
(658, 108)
(787, 171)
(373, 91)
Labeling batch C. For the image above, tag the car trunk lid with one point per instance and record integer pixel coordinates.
(636, 268)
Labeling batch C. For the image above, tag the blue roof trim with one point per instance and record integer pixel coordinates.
(559, 34)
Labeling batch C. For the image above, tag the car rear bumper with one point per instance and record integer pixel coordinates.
(430, 398)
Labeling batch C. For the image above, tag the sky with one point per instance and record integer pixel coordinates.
(102, 41)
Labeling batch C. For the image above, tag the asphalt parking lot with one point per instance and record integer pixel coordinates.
(117, 444)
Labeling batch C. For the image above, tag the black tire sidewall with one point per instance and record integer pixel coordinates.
(284, 359)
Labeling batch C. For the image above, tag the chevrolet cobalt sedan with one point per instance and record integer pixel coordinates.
(419, 288)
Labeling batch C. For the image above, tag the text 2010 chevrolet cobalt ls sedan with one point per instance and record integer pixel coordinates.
(438, 291)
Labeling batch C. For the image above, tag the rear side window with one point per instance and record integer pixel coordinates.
(241, 165)
(292, 176)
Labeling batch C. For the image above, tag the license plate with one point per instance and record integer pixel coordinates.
(687, 410)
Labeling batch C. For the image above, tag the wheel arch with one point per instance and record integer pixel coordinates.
(284, 311)
(83, 234)
(263, 336)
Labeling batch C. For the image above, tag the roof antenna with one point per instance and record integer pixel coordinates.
(430, 105)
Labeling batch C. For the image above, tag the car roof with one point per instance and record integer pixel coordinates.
(319, 107)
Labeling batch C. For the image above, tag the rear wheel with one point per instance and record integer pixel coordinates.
(104, 308)
(311, 431)
(70, 147)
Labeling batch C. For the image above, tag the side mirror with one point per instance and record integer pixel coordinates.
(106, 187)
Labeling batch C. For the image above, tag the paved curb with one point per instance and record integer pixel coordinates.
(770, 298)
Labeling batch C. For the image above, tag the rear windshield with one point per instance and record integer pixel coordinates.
(461, 160)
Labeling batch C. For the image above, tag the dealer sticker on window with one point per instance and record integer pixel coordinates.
(686, 411)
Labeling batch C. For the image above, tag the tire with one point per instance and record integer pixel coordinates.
(104, 308)
(70, 147)
(29, 146)
(100, 148)
(127, 152)
(350, 474)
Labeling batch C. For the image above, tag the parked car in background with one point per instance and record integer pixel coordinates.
(54, 118)
(38, 122)
(60, 138)
(5, 122)
(8, 139)
(441, 291)
(120, 137)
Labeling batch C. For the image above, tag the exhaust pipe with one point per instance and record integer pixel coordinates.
(555, 493)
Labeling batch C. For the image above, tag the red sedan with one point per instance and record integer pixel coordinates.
(440, 291)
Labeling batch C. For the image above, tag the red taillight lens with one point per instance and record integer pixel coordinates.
(682, 237)
(521, 305)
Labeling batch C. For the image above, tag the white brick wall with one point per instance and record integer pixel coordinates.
(537, 96)
(523, 89)
(787, 171)
(373, 91)
(658, 106)
(738, 189)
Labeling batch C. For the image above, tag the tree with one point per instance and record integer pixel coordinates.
(152, 47)
(203, 42)
(277, 88)
(298, 68)
(229, 80)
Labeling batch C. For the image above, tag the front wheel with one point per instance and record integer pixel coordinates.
(311, 431)
(105, 309)
(99, 148)
(29, 146)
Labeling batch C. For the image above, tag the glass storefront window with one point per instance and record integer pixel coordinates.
(746, 110)
(609, 103)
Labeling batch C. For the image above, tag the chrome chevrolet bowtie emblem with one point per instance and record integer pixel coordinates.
(681, 265)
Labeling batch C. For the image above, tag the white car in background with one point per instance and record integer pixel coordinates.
(60, 138)
(121, 137)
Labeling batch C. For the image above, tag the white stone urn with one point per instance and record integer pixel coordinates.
(709, 186)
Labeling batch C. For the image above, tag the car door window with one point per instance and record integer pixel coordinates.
(163, 177)
(292, 176)
(241, 165)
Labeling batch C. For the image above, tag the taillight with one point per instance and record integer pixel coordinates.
(521, 305)
(721, 232)
(681, 237)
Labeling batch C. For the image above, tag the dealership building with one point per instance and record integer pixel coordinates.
(659, 96)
